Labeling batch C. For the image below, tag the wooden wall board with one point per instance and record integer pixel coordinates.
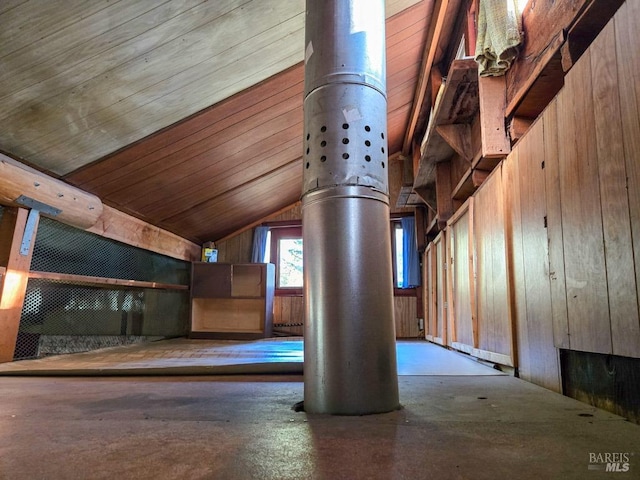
(494, 317)
(218, 155)
(550, 156)
(621, 278)
(628, 73)
(289, 310)
(234, 111)
(406, 318)
(443, 325)
(585, 267)
(429, 292)
(460, 270)
(515, 252)
(543, 360)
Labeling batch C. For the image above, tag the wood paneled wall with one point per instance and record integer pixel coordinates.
(598, 177)
(289, 310)
(528, 253)
(555, 231)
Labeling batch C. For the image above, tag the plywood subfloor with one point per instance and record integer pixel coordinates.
(201, 357)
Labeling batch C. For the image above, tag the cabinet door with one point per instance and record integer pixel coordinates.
(210, 280)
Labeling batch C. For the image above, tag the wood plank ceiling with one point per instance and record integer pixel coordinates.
(187, 114)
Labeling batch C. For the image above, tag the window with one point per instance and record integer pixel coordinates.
(397, 235)
(286, 253)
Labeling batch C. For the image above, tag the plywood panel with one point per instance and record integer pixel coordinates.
(515, 251)
(227, 315)
(542, 363)
(555, 241)
(443, 296)
(430, 276)
(290, 312)
(462, 289)
(494, 316)
(585, 269)
(628, 72)
(405, 317)
(621, 280)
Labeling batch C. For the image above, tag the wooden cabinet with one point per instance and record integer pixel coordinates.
(233, 301)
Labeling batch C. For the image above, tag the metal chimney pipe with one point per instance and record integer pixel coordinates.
(350, 357)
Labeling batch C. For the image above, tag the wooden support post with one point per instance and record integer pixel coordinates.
(493, 103)
(443, 193)
(13, 284)
(421, 216)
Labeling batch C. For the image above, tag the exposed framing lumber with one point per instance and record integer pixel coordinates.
(443, 193)
(13, 283)
(104, 282)
(458, 136)
(492, 98)
(119, 226)
(438, 16)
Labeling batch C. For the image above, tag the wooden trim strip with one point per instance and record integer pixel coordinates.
(3, 270)
(104, 282)
(484, 354)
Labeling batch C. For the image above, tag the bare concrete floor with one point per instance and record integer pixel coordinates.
(242, 427)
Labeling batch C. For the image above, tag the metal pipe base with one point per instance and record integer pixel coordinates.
(350, 356)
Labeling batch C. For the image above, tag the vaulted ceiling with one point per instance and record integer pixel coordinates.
(184, 113)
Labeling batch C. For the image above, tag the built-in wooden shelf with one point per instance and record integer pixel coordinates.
(449, 130)
(232, 301)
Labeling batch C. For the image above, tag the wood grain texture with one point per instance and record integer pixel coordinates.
(221, 166)
(492, 101)
(288, 311)
(550, 156)
(13, 283)
(585, 267)
(460, 265)
(495, 332)
(618, 244)
(119, 226)
(406, 318)
(628, 73)
(542, 367)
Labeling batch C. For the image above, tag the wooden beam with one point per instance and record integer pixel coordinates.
(428, 196)
(586, 28)
(13, 284)
(458, 136)
(443, 193)
(524, 86)
(119, 226)
(492, 97)
(23, 186)
(438, 15)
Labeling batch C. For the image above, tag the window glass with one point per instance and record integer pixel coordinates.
(398, 254)
(290, 263)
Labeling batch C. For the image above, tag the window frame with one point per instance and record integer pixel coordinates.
(277, 234)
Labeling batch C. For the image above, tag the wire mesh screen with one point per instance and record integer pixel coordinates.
(60, 317)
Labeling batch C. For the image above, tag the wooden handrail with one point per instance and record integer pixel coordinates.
(101, 281)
